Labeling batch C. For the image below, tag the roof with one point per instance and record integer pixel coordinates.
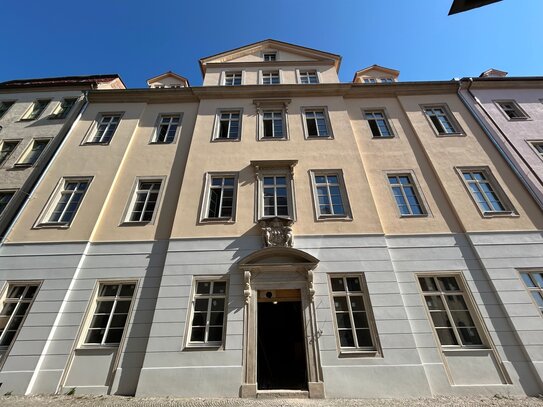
(166, 74)
(60, 81)
(274, 44)
(375, 67)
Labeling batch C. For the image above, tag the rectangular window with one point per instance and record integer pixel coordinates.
(7, 148)
(144, 201)
(316, 122)
(33, 153)
(4, 107)
(406, 195)
(538, 147)
(276, 196)
(110, 314)
(229, 125)
(273, 126)
(370, 80)
(208, 314)
(484, 192)
(308, 77)
(441, 120)
(5, 197)
(61, 112)
(386, 80)
(330, 195)
(221, 197)
(15, 307)
(166, 129)
(450, 315)
(36, 109)
(534, 283)
(270, 56)
(378, 123)
(232, 78)
(352, 316)
(270, 78)
(66, 202)
(105, 129)
(512, 110)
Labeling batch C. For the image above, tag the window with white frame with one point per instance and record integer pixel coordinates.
(5, 197)
(270, 56)
(330, 195)
(406, 195)
(353, 319)
(538, 147)
(512, 110)
(485, 192)
(441, 120)
(33, 152)
(110, 314)
(208, 312)
(4, 107)
(270, 78)
(370, 80)
(232, 78)
(276, 196)
(36, 109)
(308, 77)
(62, 110)
(534, 284)
(8, 146)
(229, 125)
(16, 304)
(166, 129)
(316, 123)
(105, 129)
(221, 191)
(386, 80)
(273, 124)
(378, 123)
(66, 202)
(449, 310)
(144, 201)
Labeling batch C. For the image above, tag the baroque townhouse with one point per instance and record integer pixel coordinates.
(275, 231)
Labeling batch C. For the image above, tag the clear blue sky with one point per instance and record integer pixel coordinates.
(140, 39)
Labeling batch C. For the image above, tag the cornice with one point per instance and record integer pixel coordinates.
(144, 95)
(269, 64)
(503, 83)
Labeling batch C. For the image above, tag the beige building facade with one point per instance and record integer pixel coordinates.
(275, 230)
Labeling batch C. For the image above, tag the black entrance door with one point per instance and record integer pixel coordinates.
(281, 362)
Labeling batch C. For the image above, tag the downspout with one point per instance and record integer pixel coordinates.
(44, 171)
(489, 134)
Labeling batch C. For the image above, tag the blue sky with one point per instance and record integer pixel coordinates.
(141, 39)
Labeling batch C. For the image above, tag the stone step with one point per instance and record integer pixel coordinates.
(282, 394)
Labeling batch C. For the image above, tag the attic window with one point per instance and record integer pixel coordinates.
(270, 56)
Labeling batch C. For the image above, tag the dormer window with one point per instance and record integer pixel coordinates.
(232, 78)
(386, 80)
(270, 56)
(370, 80)
(308, 77)
(270, 78)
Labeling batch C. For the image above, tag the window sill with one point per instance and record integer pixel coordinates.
(228, 221)
(136, 223)
(467, 351)
(382, 137)
(319, 138)
(51, 225)
(91, 143)
(161, 142)
(358, 354)
(223, 140)
(92, 346)
(27, 120)
(423, 215)
(333, 218)
(200, 347)
(518, 119)
(273, 139)
(22, 165)
(504, 214)
(455, 134)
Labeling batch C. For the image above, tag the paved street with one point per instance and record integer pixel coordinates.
(94, 401)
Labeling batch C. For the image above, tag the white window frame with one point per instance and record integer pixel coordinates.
(133, 196)
(93, 130)
(191, 310)
(388, 124)
(496, 189)
(273, 71)
(386, 79)
(217, 125)
(22, 162)
(44, 219)
(226, 73)
(537, 146)
(457, 130)
(373, 350)
(370, 80)
(274, 53)
(6, 192)
(161, 116)
(300, 72)
(274, 169)
(261, 130)
(60, 112)
(343, 193)
(522, 115)
(27, 116)
(470, 306)
(324, 110)
(16, 142)
(9, 104)
(204, 215)
(534, 286)
(4, 350)
(413, 183)
(92, 307)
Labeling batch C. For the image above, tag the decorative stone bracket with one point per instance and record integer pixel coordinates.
(276, 232)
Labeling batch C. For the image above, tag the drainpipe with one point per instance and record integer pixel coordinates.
(488, 132)
(44, 171)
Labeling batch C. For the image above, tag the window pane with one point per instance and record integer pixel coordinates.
(337, 284)
(346, 338)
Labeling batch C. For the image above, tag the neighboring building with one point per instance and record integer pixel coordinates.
(276, 230)
(35, 116)
(511, 110)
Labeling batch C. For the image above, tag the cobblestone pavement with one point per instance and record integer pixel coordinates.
(103, 401)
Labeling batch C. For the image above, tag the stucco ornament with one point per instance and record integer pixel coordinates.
(276, 232)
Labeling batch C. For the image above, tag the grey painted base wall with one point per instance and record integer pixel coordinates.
(154, 359)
